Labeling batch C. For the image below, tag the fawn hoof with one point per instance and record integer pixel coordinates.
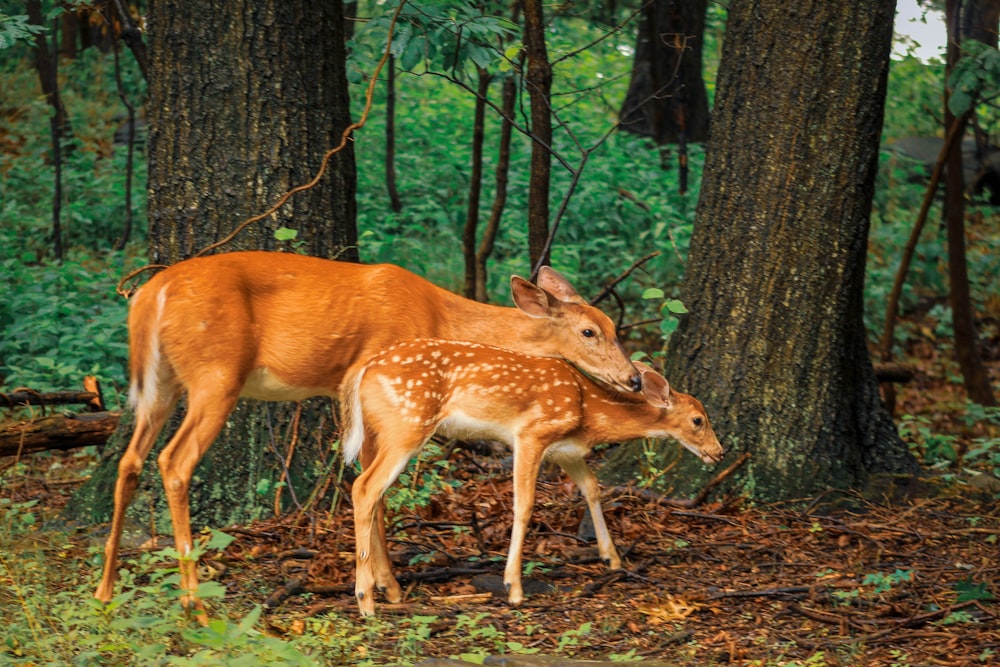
(366, 603)
(392, 592)
(102, 594)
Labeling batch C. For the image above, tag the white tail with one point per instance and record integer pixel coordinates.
(540, 407)
(279, 326)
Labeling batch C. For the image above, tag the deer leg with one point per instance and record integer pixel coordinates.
(381, 566)
(372, 560)
(582, 476)
(147, 427)
(204, 420)
(526, 464)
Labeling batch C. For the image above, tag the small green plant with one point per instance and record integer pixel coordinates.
(416, 630)
(882, 582)
(425, 476)
(670, 310)
(570, 640)
(969, 590)
(937, 450)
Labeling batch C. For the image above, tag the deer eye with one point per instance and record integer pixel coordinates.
(697, 421)
(588, 333)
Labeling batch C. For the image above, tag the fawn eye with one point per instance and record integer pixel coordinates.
(588, 333)
(697, 421)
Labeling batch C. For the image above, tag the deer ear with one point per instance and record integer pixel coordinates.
(530, 298)
(642, 367)
(656, 389)
(553, 282)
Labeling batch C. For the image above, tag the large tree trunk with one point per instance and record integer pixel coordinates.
(243, 104)
(775, 344)
(666, 98)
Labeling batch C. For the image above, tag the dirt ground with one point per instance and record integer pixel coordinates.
(905, 575)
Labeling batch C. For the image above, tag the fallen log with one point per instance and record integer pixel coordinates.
(90, 396)
(897, 373)
(22, 397)
(61, 432)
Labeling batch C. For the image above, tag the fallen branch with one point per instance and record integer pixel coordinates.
(23, 397)
(700, 498)
(684, 503)
(294, 586)
(60, 432)
(91, 396)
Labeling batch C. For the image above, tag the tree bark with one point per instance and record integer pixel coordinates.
(774, 344)
(666, 98)
(539, 84)
(243, 105)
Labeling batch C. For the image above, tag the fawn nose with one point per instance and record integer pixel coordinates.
(635, 382)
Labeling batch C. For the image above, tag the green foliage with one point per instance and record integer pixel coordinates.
(913, 100)
(424, 477)
(937, 450)
(976, 76)
(59, 322)
(16, 28)
(941, 451)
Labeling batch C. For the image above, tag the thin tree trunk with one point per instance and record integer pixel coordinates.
(475, 184)
(509, 97)
(45, 66)
(977, 380)
(539, 84)
(390, 136)
(132, 36)
(57, 124)
(129, 154)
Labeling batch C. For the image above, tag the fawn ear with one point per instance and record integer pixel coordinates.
(532, 299)
(642, 367)
(656, 389)
(553, 282)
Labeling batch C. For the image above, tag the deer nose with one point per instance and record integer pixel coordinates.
(635, 382)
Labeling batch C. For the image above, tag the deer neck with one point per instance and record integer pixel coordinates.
(499, 326)
(611, 416)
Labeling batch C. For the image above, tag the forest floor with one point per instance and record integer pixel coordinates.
(905, 573)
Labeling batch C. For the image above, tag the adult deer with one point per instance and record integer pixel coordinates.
(284, 327)
(542, 408)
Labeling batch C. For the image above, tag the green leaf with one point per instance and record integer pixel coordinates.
(219, 540)
(653, 293)
(285, 234)
(668, 325)
(250, 620)
(969, 591)
(414, 53)
(675, 306)
(211, 589)
(959, 102)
